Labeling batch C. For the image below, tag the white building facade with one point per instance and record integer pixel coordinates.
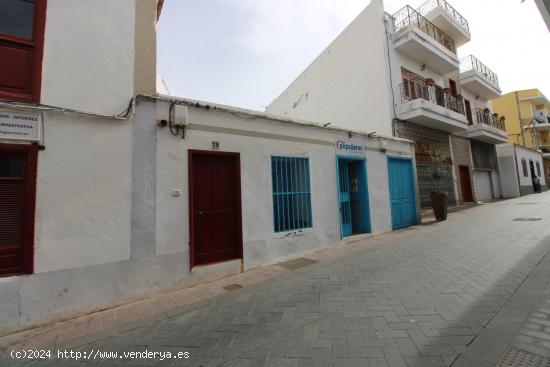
(518, 166)
(109, 191)
(400, 74)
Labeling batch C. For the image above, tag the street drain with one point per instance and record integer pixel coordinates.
(232, 287)
(519, 358)
(527, 219)
(298, 263)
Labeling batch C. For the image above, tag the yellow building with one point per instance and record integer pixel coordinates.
(527, 120)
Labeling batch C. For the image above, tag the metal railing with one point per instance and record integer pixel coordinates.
(415, 89)
(430, 5)
(472, 63)
(410, 17)
(484, 116)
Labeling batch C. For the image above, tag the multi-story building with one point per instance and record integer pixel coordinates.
(399, 74)
(527, 122)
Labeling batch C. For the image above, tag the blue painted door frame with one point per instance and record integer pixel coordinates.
(402, 192)
(353, 198)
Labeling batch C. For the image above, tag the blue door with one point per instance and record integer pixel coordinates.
(402, 193)
(353, 196)
(344, 197)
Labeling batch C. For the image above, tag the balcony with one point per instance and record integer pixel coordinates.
(420, 39)
(446, 18)
(478, 78)
(540, 125)
(542, 116)
(487, 127)
(431, 106)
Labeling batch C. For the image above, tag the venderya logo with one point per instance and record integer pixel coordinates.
(348, 147)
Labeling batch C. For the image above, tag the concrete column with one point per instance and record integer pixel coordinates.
(144, 150)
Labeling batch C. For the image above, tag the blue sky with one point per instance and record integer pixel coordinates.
(245, 52)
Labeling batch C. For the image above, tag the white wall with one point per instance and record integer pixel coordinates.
(510, 157)
(347, 84)
(527, 154)
(83, 193)
(257, 140)
(89, 55)
(508, 170)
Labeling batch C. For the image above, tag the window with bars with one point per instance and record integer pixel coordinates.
(291, 193)
(524, 167)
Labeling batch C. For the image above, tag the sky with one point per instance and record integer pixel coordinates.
(244, 53)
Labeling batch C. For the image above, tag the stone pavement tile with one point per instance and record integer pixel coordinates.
(436, 350)
(391, 334)
(418, 337)
(407, 347)
(282, 362)
(450, 340)
(425, 362)
(351, 362)
(456, 331)
(464, 361)
(489, 346)
(364, 352)
(394, 358)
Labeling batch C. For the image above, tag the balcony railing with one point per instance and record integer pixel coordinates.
(430, 5)
(484, 116)
(472, 63)
(408, 16)
(414, 89)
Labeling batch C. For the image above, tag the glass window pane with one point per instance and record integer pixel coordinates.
(16, 18)
(12, 167)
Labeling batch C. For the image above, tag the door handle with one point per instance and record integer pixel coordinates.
(200, 213)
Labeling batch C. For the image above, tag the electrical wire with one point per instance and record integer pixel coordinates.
(174, 129)
(124, 115)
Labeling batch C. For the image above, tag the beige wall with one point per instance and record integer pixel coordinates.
(145, 64)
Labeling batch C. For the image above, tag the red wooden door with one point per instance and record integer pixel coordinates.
(465, 184)
(215, 207)
(17, 185)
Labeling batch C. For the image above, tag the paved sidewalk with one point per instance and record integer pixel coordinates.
(432, 295)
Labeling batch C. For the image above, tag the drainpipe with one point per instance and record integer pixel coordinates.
(520, 123)
(517, 169)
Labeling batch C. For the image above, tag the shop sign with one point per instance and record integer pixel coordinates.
(20, 125)
(350, 147)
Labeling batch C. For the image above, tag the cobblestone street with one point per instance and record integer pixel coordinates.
(426, 296)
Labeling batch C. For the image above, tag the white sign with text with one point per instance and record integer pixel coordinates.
(350, 147)
(20, 125)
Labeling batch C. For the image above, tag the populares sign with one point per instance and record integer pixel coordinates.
(20, 125)
(350, 147)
